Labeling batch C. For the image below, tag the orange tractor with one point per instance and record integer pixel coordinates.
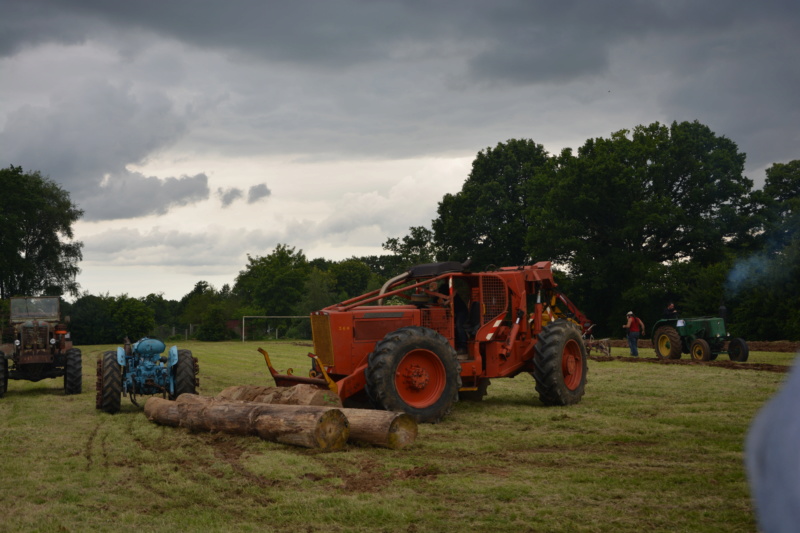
(439, 332)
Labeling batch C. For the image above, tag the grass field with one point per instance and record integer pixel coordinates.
(651, 448)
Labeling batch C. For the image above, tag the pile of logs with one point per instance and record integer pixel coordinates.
(302, 415)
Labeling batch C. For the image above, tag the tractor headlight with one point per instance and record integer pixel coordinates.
(52, 341)
(17, 343)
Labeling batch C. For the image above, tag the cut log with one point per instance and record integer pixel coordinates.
(317, 427)
(296, 395)
(378, 428)
(381, 428)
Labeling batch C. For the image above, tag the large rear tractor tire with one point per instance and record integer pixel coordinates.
(560, 364)
(700, 350)
(414, 370)
(738, 350)
(73, 372)
(667, 343)
(109, 383)
(3, 374)
(184, 374)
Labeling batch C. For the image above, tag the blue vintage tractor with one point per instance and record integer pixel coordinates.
(140, 369)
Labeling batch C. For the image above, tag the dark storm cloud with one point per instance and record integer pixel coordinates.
(327, 79)
(257, 192)
(84, 138)
(132, 195)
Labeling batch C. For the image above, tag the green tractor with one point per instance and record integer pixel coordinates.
(702, 338)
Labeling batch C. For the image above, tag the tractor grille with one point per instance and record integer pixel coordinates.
(323, 344)
(34, 337)
(494, 297)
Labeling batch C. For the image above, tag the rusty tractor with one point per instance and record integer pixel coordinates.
(439, 333)
(41, 347)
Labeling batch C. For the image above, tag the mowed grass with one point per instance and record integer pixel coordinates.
(650, 448)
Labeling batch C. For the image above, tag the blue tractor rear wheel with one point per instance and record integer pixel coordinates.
(184, 373)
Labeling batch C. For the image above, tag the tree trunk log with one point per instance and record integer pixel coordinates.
(296, 395)
(381, 428)
(323, 428)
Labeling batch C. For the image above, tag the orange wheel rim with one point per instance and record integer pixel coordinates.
(420, 378)
(572, 365)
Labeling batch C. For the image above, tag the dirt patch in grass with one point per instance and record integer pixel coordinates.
(755, 346)
(720, 364)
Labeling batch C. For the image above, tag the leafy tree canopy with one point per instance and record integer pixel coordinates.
(488, 219)
(38, 253)
(273, 283)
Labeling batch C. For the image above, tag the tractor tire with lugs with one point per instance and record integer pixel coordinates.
(109, 383)
(700, 350)
(73, 372)
(185, 372)
(414, 370)
(560, 364)
(3, 374)
(667, 343)
(738, 350)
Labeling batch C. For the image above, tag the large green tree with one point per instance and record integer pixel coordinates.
(489, 218)
(764, 286)
(38, 255)
(273, 283)
(625, 210)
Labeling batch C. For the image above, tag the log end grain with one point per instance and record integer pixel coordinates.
(402, 432)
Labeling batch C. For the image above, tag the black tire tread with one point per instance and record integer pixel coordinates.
(73, 372)
(675, 348)
(547, 364)
(185, 372)
(109, 386)
(384, 359)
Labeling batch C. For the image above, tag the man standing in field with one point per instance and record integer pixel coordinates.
(635, 328)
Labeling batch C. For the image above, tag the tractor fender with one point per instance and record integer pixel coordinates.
(121, 356)
(173, 357)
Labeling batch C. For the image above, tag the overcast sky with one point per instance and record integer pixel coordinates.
(193, 133)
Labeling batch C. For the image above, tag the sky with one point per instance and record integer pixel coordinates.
(195, 133)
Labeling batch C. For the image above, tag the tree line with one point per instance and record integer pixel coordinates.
(646, 216)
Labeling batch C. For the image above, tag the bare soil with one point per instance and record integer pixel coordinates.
(731, 365)
(755, 346)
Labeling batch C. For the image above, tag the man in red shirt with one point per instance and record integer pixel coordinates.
(635, 328)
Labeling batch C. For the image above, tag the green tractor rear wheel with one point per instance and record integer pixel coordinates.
(667, 343)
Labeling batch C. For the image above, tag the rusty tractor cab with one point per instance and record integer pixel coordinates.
(41, 347)
(438, 333)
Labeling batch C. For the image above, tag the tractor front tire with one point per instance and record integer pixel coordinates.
(109, 383)
(185, 371)
(560, 364)
(667, 343)
(414, 370)
(73, 372)
(738, 350)
(3, 374)
(700, 350)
